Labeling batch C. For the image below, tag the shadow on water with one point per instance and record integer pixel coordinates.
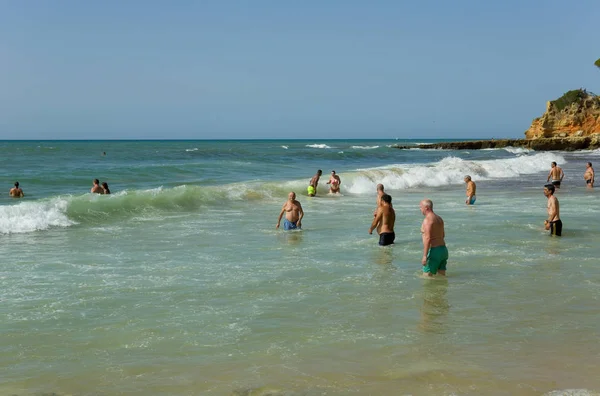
(383, 255)
(435, 308)
(291, 237)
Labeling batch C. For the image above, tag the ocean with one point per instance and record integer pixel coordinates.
(178, 283)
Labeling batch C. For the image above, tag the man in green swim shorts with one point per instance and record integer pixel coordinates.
(314, 182)
(435, 253)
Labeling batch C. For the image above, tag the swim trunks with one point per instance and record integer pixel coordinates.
(556, 228)
(437, 258)
(288, 225)
(472, 201)
(386, 238)
(311, 190)
(588, 181)
(556, 183)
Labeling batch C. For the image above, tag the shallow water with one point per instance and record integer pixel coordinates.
(179, 283)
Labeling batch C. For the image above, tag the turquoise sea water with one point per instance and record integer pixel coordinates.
(178, 282)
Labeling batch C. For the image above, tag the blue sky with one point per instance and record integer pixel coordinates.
(282, 69)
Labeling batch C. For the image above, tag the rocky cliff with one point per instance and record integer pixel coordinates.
(575, 114)
(540, 144)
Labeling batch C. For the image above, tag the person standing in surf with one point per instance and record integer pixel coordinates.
(471, 188)
(588, 176)
(553, 222)
(293, 213)
(556, 174)
(334, 183)
(312, 185)
(435, 253)
(96, 187)
(16, 191)
(384, 221)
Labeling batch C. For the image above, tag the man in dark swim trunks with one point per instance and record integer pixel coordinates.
(556, 174)
(384, 221)
(588, 176)
(553, 223)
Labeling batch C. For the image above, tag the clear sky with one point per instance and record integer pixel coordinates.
(289, 69)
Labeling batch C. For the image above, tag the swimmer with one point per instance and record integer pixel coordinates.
(96, 188)
(16, 191)
(556, 173)
(435, 253)
(312, 185)
(293, 213)
(334, 183)
(471, 188)
(553, 222)
(384, 221)
(105, 188)
(588, 176)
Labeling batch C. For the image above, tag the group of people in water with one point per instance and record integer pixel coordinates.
(98, 188)
(435, 253)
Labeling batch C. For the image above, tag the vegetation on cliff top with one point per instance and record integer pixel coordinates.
(597, 63)
(570, 97)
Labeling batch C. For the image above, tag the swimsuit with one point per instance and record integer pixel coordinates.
(311, 190)
(289, 225)
(556, 182)
(472, 201)
(386, 238)
(437, 258)
(556, 227)
(588, 181)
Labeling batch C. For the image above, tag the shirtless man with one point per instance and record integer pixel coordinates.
(471, 188)
(435, 253)
(384, 221)
(97, 188)
(16, 191)
(312, 185)
(556, 173)
(293, 213)
(553, 222)
(334, 183)
(588, 176)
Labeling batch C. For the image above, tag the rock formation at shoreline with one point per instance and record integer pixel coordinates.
(540, 144)
(575, 114)
(571, 122)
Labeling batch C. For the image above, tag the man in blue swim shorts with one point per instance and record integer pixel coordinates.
(293, 213)
(435, 253)
(471, 189)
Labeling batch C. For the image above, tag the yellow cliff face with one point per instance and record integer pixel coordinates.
(577, 119)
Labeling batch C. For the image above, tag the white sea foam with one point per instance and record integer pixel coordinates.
(285, 147)
(517, 150)
(450, 170)
(321, 146)
(34, 216)
(365, 147)
(193, 149)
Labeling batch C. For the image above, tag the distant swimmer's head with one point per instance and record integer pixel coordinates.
(320, 172)
(17, 184)
(467, 178)
(553, 164)
(386, 198)
(96, 181)
(333, 172)
(292, 196)
(589, 164)
(549, 189)
(380, 187)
